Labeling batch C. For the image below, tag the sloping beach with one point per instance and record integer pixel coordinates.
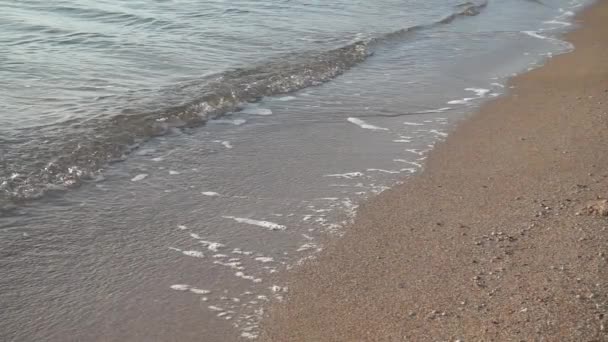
(500, 238)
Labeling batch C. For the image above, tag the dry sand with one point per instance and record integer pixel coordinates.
(493, 241)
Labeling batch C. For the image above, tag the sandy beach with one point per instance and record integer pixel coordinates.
(502, 237)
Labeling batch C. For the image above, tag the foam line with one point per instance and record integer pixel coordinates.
(348, 175)
(235, 265)
(264, 224)
(264, 259)
(180, 287)
(199, 291)
(557, 22)
(139, 177)
(306, 247)
(434, 131)
(410, 170)
(462, 101)
(418, 152)
(383, 171)
(212, 246)
(248, 277)
(535, 34)
(439, 110)
(408, 162)
(257, 111)
(236, 122)
(195, 254)
(365, 125)
(481, 92)
(286, 98)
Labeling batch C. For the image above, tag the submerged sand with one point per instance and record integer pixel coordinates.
(499, 239)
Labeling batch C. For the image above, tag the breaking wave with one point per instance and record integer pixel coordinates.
(98, 142)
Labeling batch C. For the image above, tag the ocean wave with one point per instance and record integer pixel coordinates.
(110, 140)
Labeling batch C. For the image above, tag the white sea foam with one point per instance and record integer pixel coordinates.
(236, 122)
(199, 291)
(438, 110)
(434, 131)
(557, 22)
(408, 162)
(139, 177)
(182, 227)
(278, 289)
(383, 171)
(565, 13)
(145, 151)
(402, 141)
(286, 98)
(173, 173)
(248, 277)
(365, 125)
(210, 193)
(195, 254)
(306, 247)
(265, 224)
(413, 123)
(241, 252)
(413, 150)
(348, 175)
(195, 236)
(462, 101)
(254, 110)
(535, 34)
(180, 287)
(212, 246)
(235, 265)
(481, 92)
(410, 170)
(217, 256)
(264, 259)
(249, 335)
(495, 84)
(227, 144)
(308, 237)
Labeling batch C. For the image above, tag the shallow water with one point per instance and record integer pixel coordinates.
(227, 176)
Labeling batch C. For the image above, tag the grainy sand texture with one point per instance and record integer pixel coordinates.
(503, 236)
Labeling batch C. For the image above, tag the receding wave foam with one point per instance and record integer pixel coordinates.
(68, 161)
(365, 125)
(264, 224)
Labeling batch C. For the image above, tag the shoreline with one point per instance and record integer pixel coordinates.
(493, 240)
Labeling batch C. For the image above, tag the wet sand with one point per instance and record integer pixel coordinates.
(492, 242)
